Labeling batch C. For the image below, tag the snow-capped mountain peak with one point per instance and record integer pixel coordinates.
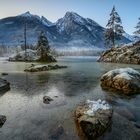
(29, 15)
(74, 16)
(26, 14)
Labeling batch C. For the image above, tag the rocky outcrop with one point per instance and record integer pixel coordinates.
(4, 85)
(39, 68)
(126, 80)
(93, 118)
(2, 120)
(129, 54)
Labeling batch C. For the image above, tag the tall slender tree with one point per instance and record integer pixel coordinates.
(43, 49)
(137, 32)
(114, 29)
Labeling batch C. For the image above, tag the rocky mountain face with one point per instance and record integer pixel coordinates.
(129, 53)
(71, 31)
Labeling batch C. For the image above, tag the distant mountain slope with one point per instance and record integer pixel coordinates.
(71, 31)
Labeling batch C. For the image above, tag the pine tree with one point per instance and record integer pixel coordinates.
(114, 29)
(43, 49)
(137, 32)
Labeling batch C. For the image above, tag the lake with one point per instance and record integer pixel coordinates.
(28, 118)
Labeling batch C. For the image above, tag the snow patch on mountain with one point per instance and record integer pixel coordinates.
(46, 21)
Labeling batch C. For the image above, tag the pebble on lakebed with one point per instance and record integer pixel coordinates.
(93, 118)
(47, 99)
(39, 68)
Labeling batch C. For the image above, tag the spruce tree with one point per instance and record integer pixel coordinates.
(114, 29)
(43, 48)
(137, 32)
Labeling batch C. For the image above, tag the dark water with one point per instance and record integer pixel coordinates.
(28, 118)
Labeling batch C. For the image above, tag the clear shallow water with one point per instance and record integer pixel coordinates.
(28, 118)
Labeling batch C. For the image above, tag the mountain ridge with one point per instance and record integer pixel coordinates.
(70, 31)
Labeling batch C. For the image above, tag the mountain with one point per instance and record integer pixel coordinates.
(132, 38)
(71, 31)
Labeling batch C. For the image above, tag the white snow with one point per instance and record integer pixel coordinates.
(126, 73)
(94, 106)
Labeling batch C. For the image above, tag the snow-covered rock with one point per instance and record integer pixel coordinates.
(124, 79)
(93, 118)
(128, 53)
(28, 55)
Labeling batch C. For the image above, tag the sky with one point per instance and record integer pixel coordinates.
(97, 10)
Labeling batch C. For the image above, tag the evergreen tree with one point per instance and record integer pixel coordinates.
(114, 29)
(43, 49)
(137, 32)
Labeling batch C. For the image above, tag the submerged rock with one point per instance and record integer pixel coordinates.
(124, 79)
(4, 85)
(47, 99)
(2, 120)
(3, 74)
(39, 68)
(93, 118)
(129, 53)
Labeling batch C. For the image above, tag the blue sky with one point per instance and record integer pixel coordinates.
(97, 10)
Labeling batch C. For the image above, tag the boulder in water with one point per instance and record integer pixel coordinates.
(93, 118)
(126, 80)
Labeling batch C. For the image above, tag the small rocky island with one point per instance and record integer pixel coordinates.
(126, 80)
(93, 118)
(41, 52)
(129, 54)
(39, 68)
(4, 85)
